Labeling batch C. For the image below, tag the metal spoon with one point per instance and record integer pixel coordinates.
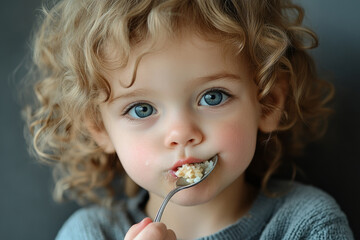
(181, 184)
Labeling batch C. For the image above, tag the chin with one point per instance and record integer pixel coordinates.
(194, 196)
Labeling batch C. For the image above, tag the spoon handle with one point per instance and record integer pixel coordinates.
(182, 184)
(164, 203)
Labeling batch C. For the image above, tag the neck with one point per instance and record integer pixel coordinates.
(223, 210)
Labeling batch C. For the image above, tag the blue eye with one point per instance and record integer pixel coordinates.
(141, 110)
(213, 98)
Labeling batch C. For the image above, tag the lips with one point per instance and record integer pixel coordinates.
(190, 160)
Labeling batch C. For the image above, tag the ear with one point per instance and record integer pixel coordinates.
(100, 136)
(270, 118)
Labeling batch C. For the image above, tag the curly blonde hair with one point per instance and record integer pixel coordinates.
(69, 55)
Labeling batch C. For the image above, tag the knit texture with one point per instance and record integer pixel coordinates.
(300, 212)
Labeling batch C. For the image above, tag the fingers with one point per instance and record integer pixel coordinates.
(170, 235)
(157, 231)
(136, 229)
(146, 229)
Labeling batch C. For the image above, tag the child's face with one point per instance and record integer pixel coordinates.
(191, 100)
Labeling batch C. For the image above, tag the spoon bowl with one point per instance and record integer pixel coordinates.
(182, 184)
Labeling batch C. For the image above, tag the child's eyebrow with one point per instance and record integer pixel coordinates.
(135, 93)
(196, 81)
(217, 76)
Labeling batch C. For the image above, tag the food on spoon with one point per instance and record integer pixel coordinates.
(195, 171)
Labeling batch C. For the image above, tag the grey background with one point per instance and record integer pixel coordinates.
(27, 210)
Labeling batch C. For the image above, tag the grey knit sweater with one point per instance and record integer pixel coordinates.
(302, 212)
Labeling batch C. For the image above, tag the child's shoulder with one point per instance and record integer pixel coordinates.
(295, 194)
(304, 211)
(97, 222)
(93, 222)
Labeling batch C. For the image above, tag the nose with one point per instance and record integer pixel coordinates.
(183, 133)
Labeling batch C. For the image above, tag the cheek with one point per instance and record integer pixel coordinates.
(236, 143)
(136, 158)
(138, 153)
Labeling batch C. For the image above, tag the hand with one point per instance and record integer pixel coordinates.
(147, 229)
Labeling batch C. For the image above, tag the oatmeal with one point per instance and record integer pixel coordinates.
(194, 172)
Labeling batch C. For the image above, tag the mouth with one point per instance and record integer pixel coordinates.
(189, 161)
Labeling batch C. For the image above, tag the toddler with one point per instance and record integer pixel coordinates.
(127, 91)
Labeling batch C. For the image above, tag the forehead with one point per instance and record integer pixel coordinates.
(182, 54)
